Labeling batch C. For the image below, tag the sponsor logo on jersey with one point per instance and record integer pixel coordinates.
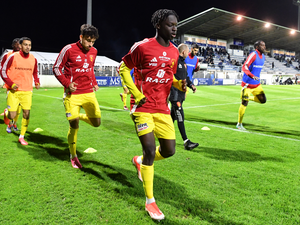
(85, 65)
(179, 66)
(258, 66)
(142, 126)
(157, 80)
(68, 114)
(153, 62)
(164, 57)
(78, 59)
(163, 65)
(83, 70)
(160, 73)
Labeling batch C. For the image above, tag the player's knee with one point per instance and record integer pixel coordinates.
(96, 123)
(168, 153)
(263, 101)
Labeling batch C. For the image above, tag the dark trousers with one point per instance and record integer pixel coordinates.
(178, 114)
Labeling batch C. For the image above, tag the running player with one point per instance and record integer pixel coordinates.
(177, 97)
(18, 73)
(251, 80)
(156, 61)
(79, 81)
(11, 124)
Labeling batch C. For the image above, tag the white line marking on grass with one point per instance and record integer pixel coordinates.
(203, 106)
(47, 96)
(250, 132)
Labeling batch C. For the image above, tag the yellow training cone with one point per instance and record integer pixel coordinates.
(90, 150)
(38, 130)
(205, 128)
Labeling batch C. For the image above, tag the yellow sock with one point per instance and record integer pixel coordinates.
(147, 173)
(18, 114)
(256, 99)
(124, 99)
(85, 118)
(72, 139)
(24, 126)
(158, 156)
(242, 110)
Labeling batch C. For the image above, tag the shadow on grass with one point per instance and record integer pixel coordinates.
(130, 188)
(173, 194)
(54, 146)
(249, 126)
(234, 155)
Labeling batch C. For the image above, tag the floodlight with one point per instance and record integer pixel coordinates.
(267, 25)
(239, 18)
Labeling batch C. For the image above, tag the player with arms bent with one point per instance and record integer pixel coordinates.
(18, 73)
(79, 81)
(11, 124)
(251, 82)
(155, 60)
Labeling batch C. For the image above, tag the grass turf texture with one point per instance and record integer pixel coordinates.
(233, 177)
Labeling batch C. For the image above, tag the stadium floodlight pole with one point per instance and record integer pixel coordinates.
(89, 12)
(297, 3)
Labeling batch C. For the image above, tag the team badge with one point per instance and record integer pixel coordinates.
(92, 58)
(68, 114)
(172, 63)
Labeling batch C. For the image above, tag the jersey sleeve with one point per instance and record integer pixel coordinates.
(60, 62)
(124, 72)
(133, 57)
(196, 66)
(94, 76)
(35, 73)
(4, 69)
(251, 58)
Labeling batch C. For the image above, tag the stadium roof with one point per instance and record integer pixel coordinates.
(220, 24)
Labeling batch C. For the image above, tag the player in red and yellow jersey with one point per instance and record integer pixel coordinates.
(155, 60)
(16, 47)
(79, 81)
(18, 73)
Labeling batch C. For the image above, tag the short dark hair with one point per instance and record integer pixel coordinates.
(16, 40)
(89, 30)
(257, 43)
(24, 39)
(195, 46)
(162, 14)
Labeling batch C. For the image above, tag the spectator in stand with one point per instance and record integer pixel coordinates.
(272, 65)
(296, 79)
(220, 64)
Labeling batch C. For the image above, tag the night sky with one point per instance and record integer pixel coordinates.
(53, 24)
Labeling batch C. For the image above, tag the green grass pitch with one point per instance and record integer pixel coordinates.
(233, 177)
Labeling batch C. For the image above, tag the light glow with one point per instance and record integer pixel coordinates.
(293, 31)
(267, 25)
(239, 18)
